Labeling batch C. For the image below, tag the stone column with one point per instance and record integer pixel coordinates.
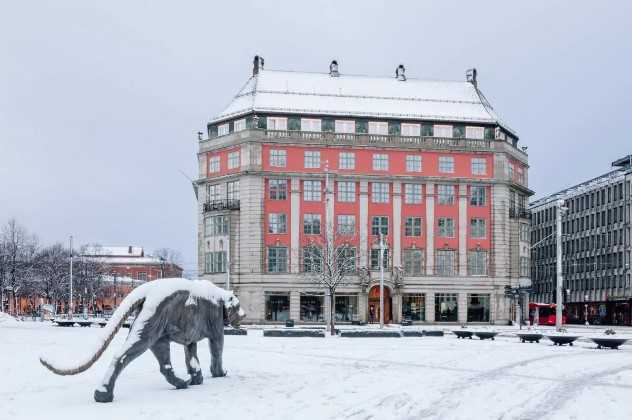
(397, 224)
(463, 225)
(329, 208)
(363, 302)
(430, 307)
(295, 305)
(430, 230)
(326, 306)
(462, 307)
(364, 224)
(397, 306)
(295, 225)
(251, 248)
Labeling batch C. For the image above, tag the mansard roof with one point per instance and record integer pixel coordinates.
(275, 91)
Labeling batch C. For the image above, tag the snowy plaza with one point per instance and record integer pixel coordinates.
(316, 378)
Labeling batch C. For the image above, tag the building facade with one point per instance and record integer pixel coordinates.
(595, 248)
(428, 165)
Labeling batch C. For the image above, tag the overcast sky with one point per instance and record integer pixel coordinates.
(100, 101)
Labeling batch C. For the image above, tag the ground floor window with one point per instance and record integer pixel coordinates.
(312, 308)
(477, 308)
(346, 308)
(446, 307)
(277, 306)
(414, 307)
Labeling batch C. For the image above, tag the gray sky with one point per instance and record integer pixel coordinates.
(100, 101)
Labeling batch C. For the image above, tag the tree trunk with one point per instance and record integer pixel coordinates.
(332, 312)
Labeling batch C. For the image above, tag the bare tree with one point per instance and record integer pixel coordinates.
(169, 255)
(4, 264)
(19, 249)
(52, 269)
(329, 262)
(88, 274)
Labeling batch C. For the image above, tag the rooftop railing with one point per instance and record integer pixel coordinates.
(219, 205)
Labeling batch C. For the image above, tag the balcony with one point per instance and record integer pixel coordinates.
(220, 205)
(519, 213)
(365, 138)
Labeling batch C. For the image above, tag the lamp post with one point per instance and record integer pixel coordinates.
(70, 302)
(381, 280)
(558, 254)
(586, 310)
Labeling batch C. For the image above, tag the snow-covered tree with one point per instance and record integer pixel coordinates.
(88, 276)
(19, 249)
(52, 271)
(169, 255)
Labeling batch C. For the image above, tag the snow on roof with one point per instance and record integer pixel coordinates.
(319, 93)
(607, 178)
(114, 251)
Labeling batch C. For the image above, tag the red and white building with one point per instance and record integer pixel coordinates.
(428, 164)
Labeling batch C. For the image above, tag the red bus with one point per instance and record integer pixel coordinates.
(545, 313)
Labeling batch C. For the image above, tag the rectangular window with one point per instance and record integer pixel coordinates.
(345, 259)
(445, 262)
(413, 163)
(312, 259)
(277, 259)
(477, 263)
(379, 224)
(474, 132)
(213, 164)
(346, 160)
(223, 129)
(311, 190)
(310, 124)
(443, 131)
(376, 127)
(216, 226)
(346, 224)
(277, 306)
(346, 308)
(446, 227)
(216, 262)
(477, 195)
(446, 307)
(277, 189)
(479, 166)
(379, 192)
(477, 308)
(446, 194)
(413, 262)
(412, 193)
(411, 130)
(524, 232)
(214, 192)
(233, 160)
(278, 158)
(524, 266)
(375, 259)
(311, 224)
(142, 276)
(312, 158)
(446, 164)
(239, 125)
(414, 307)
(277, 223)
(232, 190)
(277, 123)
(478, 229)
(312, 307)
(346, 191)
(345, 126)
(380, 162)
(427, 130)
(413, 226)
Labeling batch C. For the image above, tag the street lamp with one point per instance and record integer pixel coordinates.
(586, 310)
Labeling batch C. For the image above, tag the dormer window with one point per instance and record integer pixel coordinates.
(223, 129)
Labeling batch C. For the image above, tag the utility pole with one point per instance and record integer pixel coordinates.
(558, 254)
(70, 305)
(381, 280)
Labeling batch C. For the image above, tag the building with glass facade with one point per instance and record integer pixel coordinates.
(427, 165)
(595, 248)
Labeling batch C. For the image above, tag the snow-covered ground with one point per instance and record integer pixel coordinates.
(315, 378)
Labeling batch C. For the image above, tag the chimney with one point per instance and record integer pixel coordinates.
(400, 73)
(470, 76)
(257, 65)
(129, 250)
(333, 69)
